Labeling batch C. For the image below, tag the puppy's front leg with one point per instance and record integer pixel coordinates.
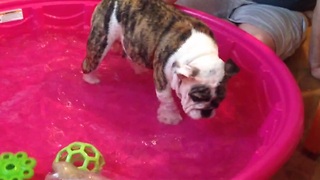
(168, 112)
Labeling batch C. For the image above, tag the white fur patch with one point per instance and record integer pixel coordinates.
(168, 112)
(91, 78)
(115, 32)
(199, 51)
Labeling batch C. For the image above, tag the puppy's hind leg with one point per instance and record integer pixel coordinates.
(96, 47)
(105, 30)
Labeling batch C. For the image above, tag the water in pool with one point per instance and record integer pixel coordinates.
(45, 105)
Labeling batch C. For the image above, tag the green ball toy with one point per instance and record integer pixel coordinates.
(16, 166)
(84, 156)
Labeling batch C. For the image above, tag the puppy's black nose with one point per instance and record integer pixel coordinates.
(206, 113)
(215, 103)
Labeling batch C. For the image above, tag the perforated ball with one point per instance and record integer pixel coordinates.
(82, 155)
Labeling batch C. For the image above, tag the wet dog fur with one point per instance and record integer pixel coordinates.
(180, 49)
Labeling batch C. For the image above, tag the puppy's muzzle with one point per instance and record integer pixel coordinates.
(205, 103)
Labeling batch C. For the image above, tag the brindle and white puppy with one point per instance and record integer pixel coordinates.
(180, 49)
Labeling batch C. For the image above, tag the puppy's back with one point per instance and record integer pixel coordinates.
(154, 30)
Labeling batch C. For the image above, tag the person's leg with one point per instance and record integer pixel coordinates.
(260, 34)
(314, 52)
(218, 8)
(280, 29)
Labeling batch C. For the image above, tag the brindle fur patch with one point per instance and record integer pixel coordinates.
(97, 41)
(152, 30)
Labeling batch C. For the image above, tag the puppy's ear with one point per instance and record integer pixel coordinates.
(230, 68)
(186, 71)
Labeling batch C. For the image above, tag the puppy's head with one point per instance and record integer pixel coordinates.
(202, 85)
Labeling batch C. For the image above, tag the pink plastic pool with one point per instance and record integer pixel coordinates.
(45, 105)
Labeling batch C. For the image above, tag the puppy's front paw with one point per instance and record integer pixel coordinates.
(168, 115)
(91, 79)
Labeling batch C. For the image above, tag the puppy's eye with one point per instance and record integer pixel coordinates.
(195, 98)
(200, 93)
(199, 98)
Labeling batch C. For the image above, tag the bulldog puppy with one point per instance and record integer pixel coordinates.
(179, 48)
